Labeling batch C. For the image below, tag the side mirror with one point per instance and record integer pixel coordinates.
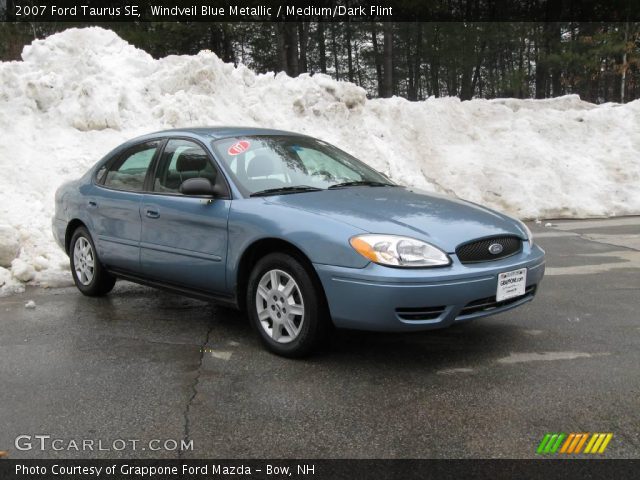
(198, 186)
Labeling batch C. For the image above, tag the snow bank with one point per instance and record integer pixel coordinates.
(80, 93)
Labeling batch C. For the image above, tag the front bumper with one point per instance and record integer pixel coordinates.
(393, 299)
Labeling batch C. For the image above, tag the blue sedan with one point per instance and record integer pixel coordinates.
(299, 234)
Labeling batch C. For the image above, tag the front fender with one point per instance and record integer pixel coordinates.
(322, 239)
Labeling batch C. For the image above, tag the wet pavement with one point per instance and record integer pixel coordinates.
(149, 366)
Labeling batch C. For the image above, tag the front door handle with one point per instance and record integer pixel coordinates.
(152, 213)
(93, 203)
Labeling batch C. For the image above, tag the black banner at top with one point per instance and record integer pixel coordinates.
(318, 10)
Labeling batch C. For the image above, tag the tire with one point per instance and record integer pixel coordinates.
(290, 319)
(89, 275)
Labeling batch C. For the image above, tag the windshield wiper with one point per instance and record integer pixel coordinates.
(279, 190)
(361, 182)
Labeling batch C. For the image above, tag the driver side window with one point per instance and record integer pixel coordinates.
(182, 160)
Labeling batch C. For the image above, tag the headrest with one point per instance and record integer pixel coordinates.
(192, 160)
(260, 166)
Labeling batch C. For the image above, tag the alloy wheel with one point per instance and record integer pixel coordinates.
(280, 306)
(83, 261)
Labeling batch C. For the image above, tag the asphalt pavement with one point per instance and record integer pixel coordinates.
(160, 369)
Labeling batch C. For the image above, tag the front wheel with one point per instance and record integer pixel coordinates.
(285, 306)
(89, 275)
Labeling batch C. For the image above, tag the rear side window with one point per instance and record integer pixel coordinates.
(129, 171)
(182, 160)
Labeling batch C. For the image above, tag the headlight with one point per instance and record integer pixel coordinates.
(399, 251)
(528, 232)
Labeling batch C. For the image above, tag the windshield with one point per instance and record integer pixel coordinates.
(260, 163)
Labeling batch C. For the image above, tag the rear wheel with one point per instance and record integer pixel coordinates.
(89, 275)
(285, 306)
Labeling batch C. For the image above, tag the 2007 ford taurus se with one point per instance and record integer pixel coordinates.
(297, 232)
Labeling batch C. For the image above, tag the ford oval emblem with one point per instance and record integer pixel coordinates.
(495, 249)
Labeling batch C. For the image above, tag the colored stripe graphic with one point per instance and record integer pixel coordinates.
(576, 441)
(550, 443)
(555, 447)
(596, 446)
(543, 443)
(572, 447)
(599, 443)
(567, 443)
(604, 445)
(584, 439)
(573, 443)
(594, 437)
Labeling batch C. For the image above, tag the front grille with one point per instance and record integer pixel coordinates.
(489, 303)
(478, 251)
(420, 313)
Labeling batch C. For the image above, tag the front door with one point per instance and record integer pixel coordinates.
(184, 239)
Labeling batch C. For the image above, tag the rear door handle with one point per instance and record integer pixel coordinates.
(152, 213)
(93, 203)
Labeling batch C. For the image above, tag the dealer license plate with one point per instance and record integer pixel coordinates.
(511, 284)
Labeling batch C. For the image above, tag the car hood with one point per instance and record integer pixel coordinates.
(442, 221)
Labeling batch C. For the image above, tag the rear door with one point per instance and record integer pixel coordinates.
(115, 206)
(184, 239)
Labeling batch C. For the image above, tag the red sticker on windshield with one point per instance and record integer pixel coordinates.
(238, 147)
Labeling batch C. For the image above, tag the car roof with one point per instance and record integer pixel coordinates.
(216, 133)
(203, 133)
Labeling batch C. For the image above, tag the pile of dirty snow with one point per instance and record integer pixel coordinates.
(77, 94)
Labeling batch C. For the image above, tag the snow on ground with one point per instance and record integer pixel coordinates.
(79, 93)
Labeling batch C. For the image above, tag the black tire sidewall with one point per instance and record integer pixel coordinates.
(313, 320)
